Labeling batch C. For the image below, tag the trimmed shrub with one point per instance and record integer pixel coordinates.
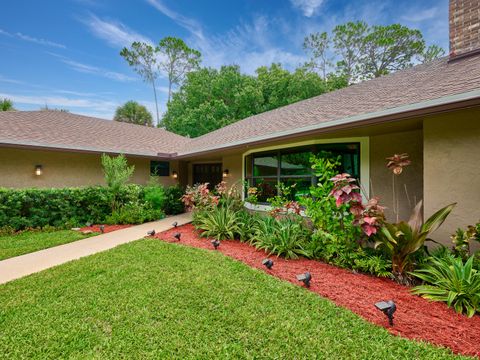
(173, 200)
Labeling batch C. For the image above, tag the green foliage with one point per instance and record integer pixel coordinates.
(462, 239)
(134, 113)
(209, 98)
(178, 60)
(285, 236)
(431, 53)
(218, 223)
(117, 173)
(247, 224)
(450, 280)
(337, 250)
(134, 213)
(154, 194)
(68, 207)
(403, 239)
(6, 105)
(173, 204)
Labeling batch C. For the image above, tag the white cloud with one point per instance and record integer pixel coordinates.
(11, 81)
(422, 15)
(90, 69)
(307, 7)
(248, 45)
(33, 39)
(190, 24)
(113, 32)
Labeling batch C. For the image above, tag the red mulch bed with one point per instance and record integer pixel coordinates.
(415, 318)
(107, 229)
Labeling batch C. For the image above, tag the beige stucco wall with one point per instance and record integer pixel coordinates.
(452, 168)
(62, 169)
(234, 165)
(409, 184)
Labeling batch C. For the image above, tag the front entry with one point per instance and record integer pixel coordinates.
(207, 173)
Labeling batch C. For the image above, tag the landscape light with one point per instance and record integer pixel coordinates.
(305, 278)
(177, 236)
(38, 170)
(388, 308)
(175, 224)
(102, 228)
(268, 263)
(151, 233)
(215, 243)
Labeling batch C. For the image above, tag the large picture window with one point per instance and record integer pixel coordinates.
(159, 168)
(266, 170)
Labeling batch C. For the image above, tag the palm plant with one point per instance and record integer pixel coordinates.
(403, 239)
(450, 280)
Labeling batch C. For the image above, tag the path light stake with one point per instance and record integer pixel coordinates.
(175, 224)
(305, 278)
(102, 228)
(151, 233)
(388, 308)
(177, 236)
(215, 243)
(268, 263)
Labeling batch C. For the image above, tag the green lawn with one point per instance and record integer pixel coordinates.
(30, 241)
(149, 299)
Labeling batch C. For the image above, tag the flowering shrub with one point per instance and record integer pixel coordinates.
(199, 196)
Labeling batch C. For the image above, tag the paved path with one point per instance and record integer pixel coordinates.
(27, 264)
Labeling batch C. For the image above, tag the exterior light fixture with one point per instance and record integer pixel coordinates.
(174, 174)
(268, 263)
(151, 233)
(305, 278)
(102, 228)
(175, 224)
(38, 170)
(215, 243)
(225, 173)
(388, 308)
(177, 236)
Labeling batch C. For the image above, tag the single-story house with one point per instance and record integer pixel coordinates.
(430, 111)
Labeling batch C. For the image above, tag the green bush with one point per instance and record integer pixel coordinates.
(173, 200)
(155, 196)
(134, 214)
(451, 280)
(67, 207)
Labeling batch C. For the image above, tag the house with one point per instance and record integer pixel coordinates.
(430, 111)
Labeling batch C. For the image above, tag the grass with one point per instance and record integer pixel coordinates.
(30, 241)
(149, 299)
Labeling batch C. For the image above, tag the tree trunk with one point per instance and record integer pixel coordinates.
(156, 101)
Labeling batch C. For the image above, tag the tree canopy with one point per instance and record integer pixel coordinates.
(211, 98)
(134, 113)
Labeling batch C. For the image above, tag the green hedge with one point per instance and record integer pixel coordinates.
(68, 207)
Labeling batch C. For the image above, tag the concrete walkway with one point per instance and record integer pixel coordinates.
(23, 265)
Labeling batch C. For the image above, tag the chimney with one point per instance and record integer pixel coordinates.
(464, 22)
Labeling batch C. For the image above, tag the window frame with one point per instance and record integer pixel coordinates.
(363, 143)
(159, 161)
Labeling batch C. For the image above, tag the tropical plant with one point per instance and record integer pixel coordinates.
(285, 237)
(247, 225)
(200, 197)
(451, 280)
(117, 174)
(462, 240)
(154, 194)
(402, 240)
(134, 113)
(219, 223)
(6, 105)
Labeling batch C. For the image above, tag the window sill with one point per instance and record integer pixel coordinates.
(264, 208)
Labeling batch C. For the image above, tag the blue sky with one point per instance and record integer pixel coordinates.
(65, 53)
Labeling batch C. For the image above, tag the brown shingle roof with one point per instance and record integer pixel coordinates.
(418, 85)
(415, 85)
(56, 129)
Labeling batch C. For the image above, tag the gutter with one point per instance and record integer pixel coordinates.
(447, 103)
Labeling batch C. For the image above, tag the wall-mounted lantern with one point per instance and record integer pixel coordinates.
(174, 174)
(38, 170)
(225, 173)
